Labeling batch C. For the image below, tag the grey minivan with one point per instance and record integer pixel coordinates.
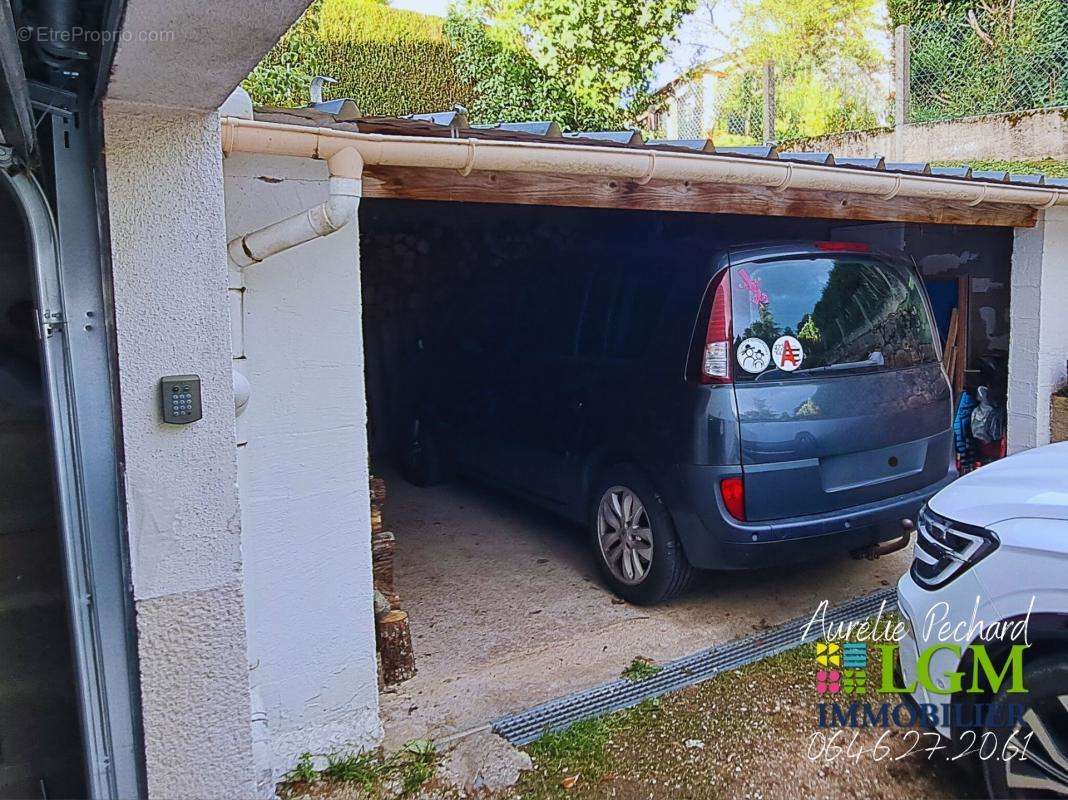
(778, 404)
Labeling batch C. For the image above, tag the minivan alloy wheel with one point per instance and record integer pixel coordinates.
(624, 535)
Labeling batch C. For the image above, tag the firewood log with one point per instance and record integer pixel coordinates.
(395, 646)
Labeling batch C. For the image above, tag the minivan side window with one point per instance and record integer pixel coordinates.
(832, 314)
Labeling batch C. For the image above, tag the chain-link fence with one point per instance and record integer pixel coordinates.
(731, 105)
(1011, 57)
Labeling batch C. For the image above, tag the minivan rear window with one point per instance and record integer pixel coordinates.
(829, 314)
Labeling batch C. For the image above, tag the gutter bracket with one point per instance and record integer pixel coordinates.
(644, 179)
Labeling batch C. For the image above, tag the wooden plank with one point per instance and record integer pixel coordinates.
(949, 354)
(551, 189)
(964, 296)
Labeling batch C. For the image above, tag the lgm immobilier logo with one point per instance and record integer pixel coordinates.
(953, 675)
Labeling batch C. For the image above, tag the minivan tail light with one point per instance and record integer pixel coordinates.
(716, 357)
(733, 491)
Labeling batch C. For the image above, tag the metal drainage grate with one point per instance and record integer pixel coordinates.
(526, 726)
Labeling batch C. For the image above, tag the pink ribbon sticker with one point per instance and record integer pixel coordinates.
(750, 284)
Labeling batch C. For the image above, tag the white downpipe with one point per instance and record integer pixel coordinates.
(467, 155)
(346, 186)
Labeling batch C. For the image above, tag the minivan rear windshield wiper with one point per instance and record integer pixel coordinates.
(874, 359)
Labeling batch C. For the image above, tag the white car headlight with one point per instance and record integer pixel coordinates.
(944, 549)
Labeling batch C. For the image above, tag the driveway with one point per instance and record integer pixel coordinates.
(507, 610)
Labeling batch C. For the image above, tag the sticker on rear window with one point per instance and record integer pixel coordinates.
(753, 355)
(752, 285)
(788, 353)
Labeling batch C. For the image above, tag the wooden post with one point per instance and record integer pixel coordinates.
(769, 102)
(901, 88)
(395, 648)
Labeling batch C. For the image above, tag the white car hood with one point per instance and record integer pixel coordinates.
(1033, 483)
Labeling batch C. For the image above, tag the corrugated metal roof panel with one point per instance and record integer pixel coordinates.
(1030, 180)
(550, 130)
(826, 159)
(700, 145)
(343, 110)
(912, 167)
(1059, 182)
(952, 172)
(878, 162)
(452, 119)
(756, 151)
(990, 175)
(629, 138)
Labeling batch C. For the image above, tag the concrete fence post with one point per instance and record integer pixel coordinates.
(901, 88)
(769, 102)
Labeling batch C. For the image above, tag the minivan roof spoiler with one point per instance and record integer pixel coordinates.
(759, 252)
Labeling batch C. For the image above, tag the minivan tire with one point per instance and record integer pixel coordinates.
(1046, 681)
(669, 571)
(423, 459)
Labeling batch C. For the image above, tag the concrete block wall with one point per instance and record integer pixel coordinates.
(1038, 343)
(303, 475)
(1017, 136)
(165, 205)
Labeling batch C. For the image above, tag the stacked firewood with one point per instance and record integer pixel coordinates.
(391, 623)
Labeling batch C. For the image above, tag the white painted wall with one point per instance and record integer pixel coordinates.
(165, 203)
(1038, 336)
(303, 475)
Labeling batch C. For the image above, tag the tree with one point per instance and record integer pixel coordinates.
(601, 51)
(823, 58)
(808, 34)
(537, 61)
(510, 86)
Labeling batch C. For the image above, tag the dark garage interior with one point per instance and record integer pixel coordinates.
(488, 579)
(40, 739)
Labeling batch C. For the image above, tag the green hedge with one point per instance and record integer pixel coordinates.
(1049, 167)
(393, 62)
(390, 62)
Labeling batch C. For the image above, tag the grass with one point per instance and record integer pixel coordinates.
(367, 774)
(1049, 167)
(578, 758)
(745, 733)
(640, 669)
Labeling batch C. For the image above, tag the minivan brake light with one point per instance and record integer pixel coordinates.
(843, 247)
(716, 357)
(733, 491)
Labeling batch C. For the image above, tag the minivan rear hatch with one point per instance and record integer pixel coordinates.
(842, 400)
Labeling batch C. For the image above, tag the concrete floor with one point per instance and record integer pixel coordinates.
(507, 610)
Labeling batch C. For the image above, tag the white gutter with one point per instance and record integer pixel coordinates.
(467, 155)
(346, 186)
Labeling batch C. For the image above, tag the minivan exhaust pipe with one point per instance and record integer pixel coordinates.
(874, 551)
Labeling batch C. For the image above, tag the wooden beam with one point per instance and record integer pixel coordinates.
(548, 189)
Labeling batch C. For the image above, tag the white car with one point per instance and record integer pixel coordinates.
(990, 568)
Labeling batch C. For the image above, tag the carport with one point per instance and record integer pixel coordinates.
(505, 609)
